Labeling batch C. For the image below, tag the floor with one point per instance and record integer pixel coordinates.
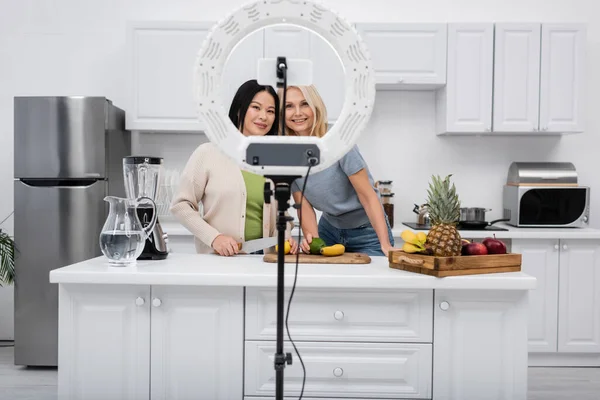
(19, 383)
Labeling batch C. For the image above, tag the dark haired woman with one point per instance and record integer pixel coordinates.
(233, 204)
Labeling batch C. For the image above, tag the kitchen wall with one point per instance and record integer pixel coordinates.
(77, 47)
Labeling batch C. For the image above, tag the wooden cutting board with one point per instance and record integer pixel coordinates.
(346, 258)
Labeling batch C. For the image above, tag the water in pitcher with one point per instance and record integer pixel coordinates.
(122, 247)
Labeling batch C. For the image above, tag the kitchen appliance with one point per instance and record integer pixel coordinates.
(67, 159)
(545, 195)
(142, 176)
(422, 212)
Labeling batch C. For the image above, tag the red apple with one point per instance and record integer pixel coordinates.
(465, 243)
(494, 246)
(475, 249)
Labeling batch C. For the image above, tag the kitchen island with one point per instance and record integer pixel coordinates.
(203, 327)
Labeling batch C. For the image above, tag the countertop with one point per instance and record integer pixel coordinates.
(173, 228)
(250, 270)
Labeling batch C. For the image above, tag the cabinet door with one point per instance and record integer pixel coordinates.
(480, 345)
(516, 77)
(562, 81)
(328, 73)
(579, 297)
(163, 59)
(104, 342)
(540, 260)
(329, 77)
(287, 41)
(465, 103)
(197, 343)
(241, 65)
(407, 55)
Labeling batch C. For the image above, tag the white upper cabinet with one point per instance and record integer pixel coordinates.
(162, 82)
(287, 41)
(464, 105)
(406, 55)
(328, 73)
(528, 76)
(562, 78)
(516, 77)
(241, 66)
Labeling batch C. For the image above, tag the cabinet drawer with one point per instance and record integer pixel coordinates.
(344, 315)
(312, 398)
(349, 370)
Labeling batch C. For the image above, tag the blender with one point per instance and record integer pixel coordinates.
(142, 177)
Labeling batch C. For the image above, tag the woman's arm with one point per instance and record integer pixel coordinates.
(309, 221)
(369, 200)
(185, 206)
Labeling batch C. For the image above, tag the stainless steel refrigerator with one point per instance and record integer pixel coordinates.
(68, 157)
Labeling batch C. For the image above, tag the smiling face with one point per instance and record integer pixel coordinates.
(299, 117)
(260, 115)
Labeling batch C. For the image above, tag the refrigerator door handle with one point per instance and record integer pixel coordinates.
(60, 183)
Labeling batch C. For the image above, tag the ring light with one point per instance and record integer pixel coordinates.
(279, 155)
(284, 158)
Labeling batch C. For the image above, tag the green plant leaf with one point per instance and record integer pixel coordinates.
(7, 259)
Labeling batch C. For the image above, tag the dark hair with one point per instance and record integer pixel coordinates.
(242, 99)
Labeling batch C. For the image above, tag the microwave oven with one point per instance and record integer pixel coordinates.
(547, 207)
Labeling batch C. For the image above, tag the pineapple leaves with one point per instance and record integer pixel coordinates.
(444, 204)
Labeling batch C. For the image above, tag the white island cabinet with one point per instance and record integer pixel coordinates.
(203, 327)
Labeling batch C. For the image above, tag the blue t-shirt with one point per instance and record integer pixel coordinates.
(331, 192)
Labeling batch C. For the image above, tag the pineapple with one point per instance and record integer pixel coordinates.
(444, 213)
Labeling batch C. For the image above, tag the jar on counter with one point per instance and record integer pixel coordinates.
(385, 187)
(387, 200)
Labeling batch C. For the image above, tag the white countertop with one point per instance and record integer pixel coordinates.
(245, 270)
(174, 228)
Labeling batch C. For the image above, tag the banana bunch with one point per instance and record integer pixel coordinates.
(413, 242)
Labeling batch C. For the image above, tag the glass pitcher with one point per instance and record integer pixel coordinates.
(123, 237)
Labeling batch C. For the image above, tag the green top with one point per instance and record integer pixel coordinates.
(255, 185)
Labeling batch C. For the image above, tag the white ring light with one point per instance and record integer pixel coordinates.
(351, 50)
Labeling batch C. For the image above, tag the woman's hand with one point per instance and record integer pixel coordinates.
(387, 248)
(225, 245)
(294, 245)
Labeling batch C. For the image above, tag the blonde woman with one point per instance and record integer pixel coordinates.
(344, 192)
(309, 117)
(232, 199)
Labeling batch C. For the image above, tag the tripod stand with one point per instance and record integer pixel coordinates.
(282, 195)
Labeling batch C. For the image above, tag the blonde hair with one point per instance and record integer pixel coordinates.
(315, 102)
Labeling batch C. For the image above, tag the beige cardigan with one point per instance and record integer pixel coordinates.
(216, 181)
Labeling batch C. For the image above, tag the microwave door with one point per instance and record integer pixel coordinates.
(553, 207)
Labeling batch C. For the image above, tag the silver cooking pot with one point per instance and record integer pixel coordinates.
(474, 218)
(473, 214)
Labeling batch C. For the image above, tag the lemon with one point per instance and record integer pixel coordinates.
(287, 247)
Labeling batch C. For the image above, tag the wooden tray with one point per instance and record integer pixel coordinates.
(346, 258)
(452, 266)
